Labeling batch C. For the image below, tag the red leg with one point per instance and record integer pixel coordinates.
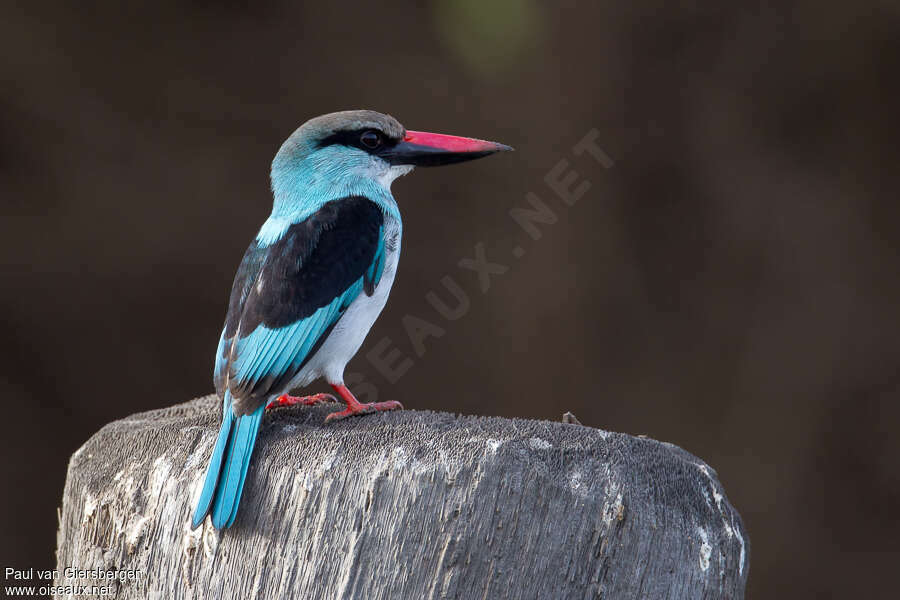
(285, 400)
(355, 407)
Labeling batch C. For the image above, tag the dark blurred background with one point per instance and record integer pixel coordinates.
(730, 285)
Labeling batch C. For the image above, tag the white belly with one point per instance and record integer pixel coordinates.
(351, 329)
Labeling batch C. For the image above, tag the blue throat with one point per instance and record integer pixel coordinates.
(301, 186)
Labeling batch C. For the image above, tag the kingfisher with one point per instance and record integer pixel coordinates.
(314, 279)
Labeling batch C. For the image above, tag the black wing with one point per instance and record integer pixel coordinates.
(287, 296)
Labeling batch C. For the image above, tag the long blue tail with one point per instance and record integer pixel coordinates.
(228, 467)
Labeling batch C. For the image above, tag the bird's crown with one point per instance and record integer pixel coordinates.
(356, 128)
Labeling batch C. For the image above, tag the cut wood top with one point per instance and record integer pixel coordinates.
(404, 504)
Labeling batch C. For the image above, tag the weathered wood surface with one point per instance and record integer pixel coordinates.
(402, 505)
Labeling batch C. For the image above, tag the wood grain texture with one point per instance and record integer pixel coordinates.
(402, 505)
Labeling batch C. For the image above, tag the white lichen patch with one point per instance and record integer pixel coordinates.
(200, 455)
(718, 498)
(124, 481)
(329, 462)
(196, 486)
(450, 465)
(575, 481)
(135, 531)
(613, 506)
(210, 539)
(159, 475)
(399, 457)
(90, 505)
(727, 520)
(743, 555)
(537, 443)
(380, 466)
(493, 445)
(191, 539)
(729, 531)
(314, 475)
(77, 454)
(705, 549)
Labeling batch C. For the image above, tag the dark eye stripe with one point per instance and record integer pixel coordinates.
(354, 139)
(370, 139)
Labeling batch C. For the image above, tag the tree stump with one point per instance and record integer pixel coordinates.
(407, 504)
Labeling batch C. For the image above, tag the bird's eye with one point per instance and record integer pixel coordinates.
(370, 139)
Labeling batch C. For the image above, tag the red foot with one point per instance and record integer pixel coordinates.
(355, 407)
(285, 400)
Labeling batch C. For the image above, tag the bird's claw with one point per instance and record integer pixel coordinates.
(362, 409)
(286, 400)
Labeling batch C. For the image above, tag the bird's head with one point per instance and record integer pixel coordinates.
(343, 147)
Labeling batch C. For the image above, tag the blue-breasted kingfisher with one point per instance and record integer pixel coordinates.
(314, 279)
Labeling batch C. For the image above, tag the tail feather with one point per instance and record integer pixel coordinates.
(228, 467)
(251, 443)
(234, 469)
(215, 465)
